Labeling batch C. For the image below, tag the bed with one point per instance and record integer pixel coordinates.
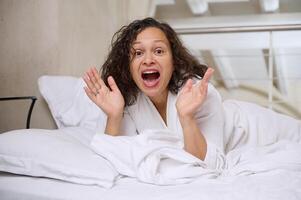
(271, 185)
(60, 164)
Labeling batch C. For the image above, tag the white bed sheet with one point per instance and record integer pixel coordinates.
(270, 185)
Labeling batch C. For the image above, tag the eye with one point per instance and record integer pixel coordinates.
(137, 53)
(159, 51)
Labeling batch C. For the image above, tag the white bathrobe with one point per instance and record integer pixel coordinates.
(144, 116)
(226, 125)
(248, 133)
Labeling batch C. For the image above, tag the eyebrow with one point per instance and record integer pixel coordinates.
(138, 42)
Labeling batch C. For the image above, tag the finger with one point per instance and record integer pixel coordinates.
(92, 78)
(90, 94)
(205, 81)
(90, 75)
(98, 79)
(95, 72)
(90, 84)
(203, 84)
(113, 84)
(187, 87)
(96, 83)
(208, 75)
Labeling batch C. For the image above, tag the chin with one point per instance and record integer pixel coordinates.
(151, 92)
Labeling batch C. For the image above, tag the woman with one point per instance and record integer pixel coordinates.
(150, 81)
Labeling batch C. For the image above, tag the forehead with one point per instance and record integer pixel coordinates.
(151, 34)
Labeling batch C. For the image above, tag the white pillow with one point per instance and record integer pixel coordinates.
(53, 154)
(69, 104)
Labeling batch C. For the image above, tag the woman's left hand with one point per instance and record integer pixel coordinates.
(191, 97)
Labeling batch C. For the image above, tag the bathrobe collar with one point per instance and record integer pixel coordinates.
(146, 116)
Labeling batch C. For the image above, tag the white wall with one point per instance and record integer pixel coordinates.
(55, 37)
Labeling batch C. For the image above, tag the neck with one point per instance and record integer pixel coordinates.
(160, 102)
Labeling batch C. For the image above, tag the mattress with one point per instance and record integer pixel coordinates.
(276, 184)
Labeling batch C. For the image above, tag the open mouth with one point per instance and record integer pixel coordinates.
(150, 77)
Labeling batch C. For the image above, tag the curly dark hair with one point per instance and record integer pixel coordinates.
(118, 61)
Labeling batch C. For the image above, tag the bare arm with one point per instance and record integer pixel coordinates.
(113, 126)
(190, 98)
(194, 141)
(110, 100)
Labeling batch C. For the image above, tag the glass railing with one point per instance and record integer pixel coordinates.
(262, 67)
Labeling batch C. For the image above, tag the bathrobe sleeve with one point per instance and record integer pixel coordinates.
(128, 127)
(210, 119)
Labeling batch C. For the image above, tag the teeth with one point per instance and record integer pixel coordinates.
(149, 72)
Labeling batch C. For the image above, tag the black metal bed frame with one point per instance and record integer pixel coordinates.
(33, 100)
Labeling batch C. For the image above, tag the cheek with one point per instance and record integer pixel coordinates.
(134, 71)
(170, 67)
(169, 62)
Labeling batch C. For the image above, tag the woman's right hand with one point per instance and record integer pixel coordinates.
(110, 100)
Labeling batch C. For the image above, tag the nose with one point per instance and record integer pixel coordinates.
(148, 59)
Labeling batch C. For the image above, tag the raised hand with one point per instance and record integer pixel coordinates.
(110, 100)
(191, 97)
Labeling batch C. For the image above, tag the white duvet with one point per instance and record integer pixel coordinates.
(157, 157)
(257, 140)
